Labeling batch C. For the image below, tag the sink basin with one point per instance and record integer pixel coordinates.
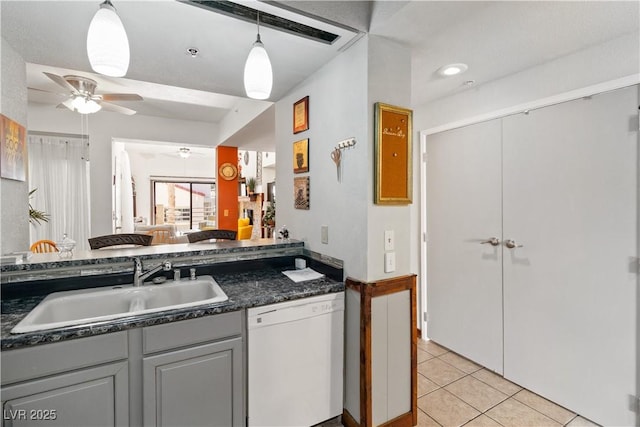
(94, 305)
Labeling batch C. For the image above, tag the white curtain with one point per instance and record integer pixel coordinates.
(59, 171)
(124, 193)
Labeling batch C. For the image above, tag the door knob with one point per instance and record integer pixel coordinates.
(512, 244)
(493, 241)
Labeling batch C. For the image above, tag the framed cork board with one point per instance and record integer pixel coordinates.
(393, 171)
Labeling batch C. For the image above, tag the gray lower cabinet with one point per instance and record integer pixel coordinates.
(193, 372)
(82, 382)
(186, 373)
(89, 397)
(197, 386)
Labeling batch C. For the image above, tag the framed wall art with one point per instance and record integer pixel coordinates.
(301, 115)
(393, 171)
(301, 156)
(301, 192)
(13, 149)
(228, 171)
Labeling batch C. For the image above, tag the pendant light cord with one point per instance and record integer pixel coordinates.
(258, 14)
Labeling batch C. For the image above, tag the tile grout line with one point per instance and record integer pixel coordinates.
(551, 418)
(509, 396)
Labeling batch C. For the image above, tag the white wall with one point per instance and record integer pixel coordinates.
(14, 209)
(390, 83)
(337, 110)
(341, 98)
(103, 128)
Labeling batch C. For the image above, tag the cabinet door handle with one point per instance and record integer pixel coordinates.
(493, 241)
(512, 244)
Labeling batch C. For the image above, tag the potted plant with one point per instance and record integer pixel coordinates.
(35, 216)
(269, 217)
(251, 185)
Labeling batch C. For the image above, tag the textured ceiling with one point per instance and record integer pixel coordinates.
(495, 39)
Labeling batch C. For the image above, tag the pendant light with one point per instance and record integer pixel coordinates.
(107, 42)
(258, 77)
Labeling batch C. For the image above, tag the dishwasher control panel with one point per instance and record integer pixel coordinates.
(294, 310)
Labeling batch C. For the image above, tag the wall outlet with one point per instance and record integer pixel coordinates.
(389, 262)
(324, 234)
(389, 240)
(226, 212)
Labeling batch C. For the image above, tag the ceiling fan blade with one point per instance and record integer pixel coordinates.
(66, 104)
(44, 96)
(121, 97)
(61, 81)
(117, 108)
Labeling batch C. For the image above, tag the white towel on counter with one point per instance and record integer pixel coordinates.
(302, 275)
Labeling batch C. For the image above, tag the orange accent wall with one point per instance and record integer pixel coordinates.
(227, 191)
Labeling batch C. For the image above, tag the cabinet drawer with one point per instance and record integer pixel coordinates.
(192, 331)
(48, 359)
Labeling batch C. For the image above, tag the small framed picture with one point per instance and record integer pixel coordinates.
(301, 156)
(13, 149)
(301, 192)
(301, 115)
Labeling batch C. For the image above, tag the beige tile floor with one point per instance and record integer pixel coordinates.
(453, 391)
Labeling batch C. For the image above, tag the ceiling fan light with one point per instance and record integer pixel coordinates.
(85, 106)
(258, 76)
(107, 42)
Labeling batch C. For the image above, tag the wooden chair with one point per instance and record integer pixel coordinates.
(212, 234)
(160, 237)
(120, 239)
(44, 247)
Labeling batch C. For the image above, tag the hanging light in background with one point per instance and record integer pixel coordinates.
(107, 42)
(184, 152)
(258, 77)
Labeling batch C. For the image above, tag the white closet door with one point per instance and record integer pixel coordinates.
(571, 291)
(464, 276)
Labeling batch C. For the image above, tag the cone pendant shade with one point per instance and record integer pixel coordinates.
(258, 76)
(107, 43)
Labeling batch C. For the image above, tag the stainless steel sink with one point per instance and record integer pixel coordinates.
(94, 305)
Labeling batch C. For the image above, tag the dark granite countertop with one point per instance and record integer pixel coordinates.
(246, 285)
(117, 260)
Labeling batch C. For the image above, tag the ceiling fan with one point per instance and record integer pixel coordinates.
(185, 152)
(83, 99)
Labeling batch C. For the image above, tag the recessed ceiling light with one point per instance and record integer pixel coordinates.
(452, 69)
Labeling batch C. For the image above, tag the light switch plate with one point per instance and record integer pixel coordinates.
(324, 234)
(389, 262)
(389, 240)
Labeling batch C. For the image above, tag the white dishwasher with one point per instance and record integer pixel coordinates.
(295, 361)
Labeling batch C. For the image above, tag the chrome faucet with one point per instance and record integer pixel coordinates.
(139, 276)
